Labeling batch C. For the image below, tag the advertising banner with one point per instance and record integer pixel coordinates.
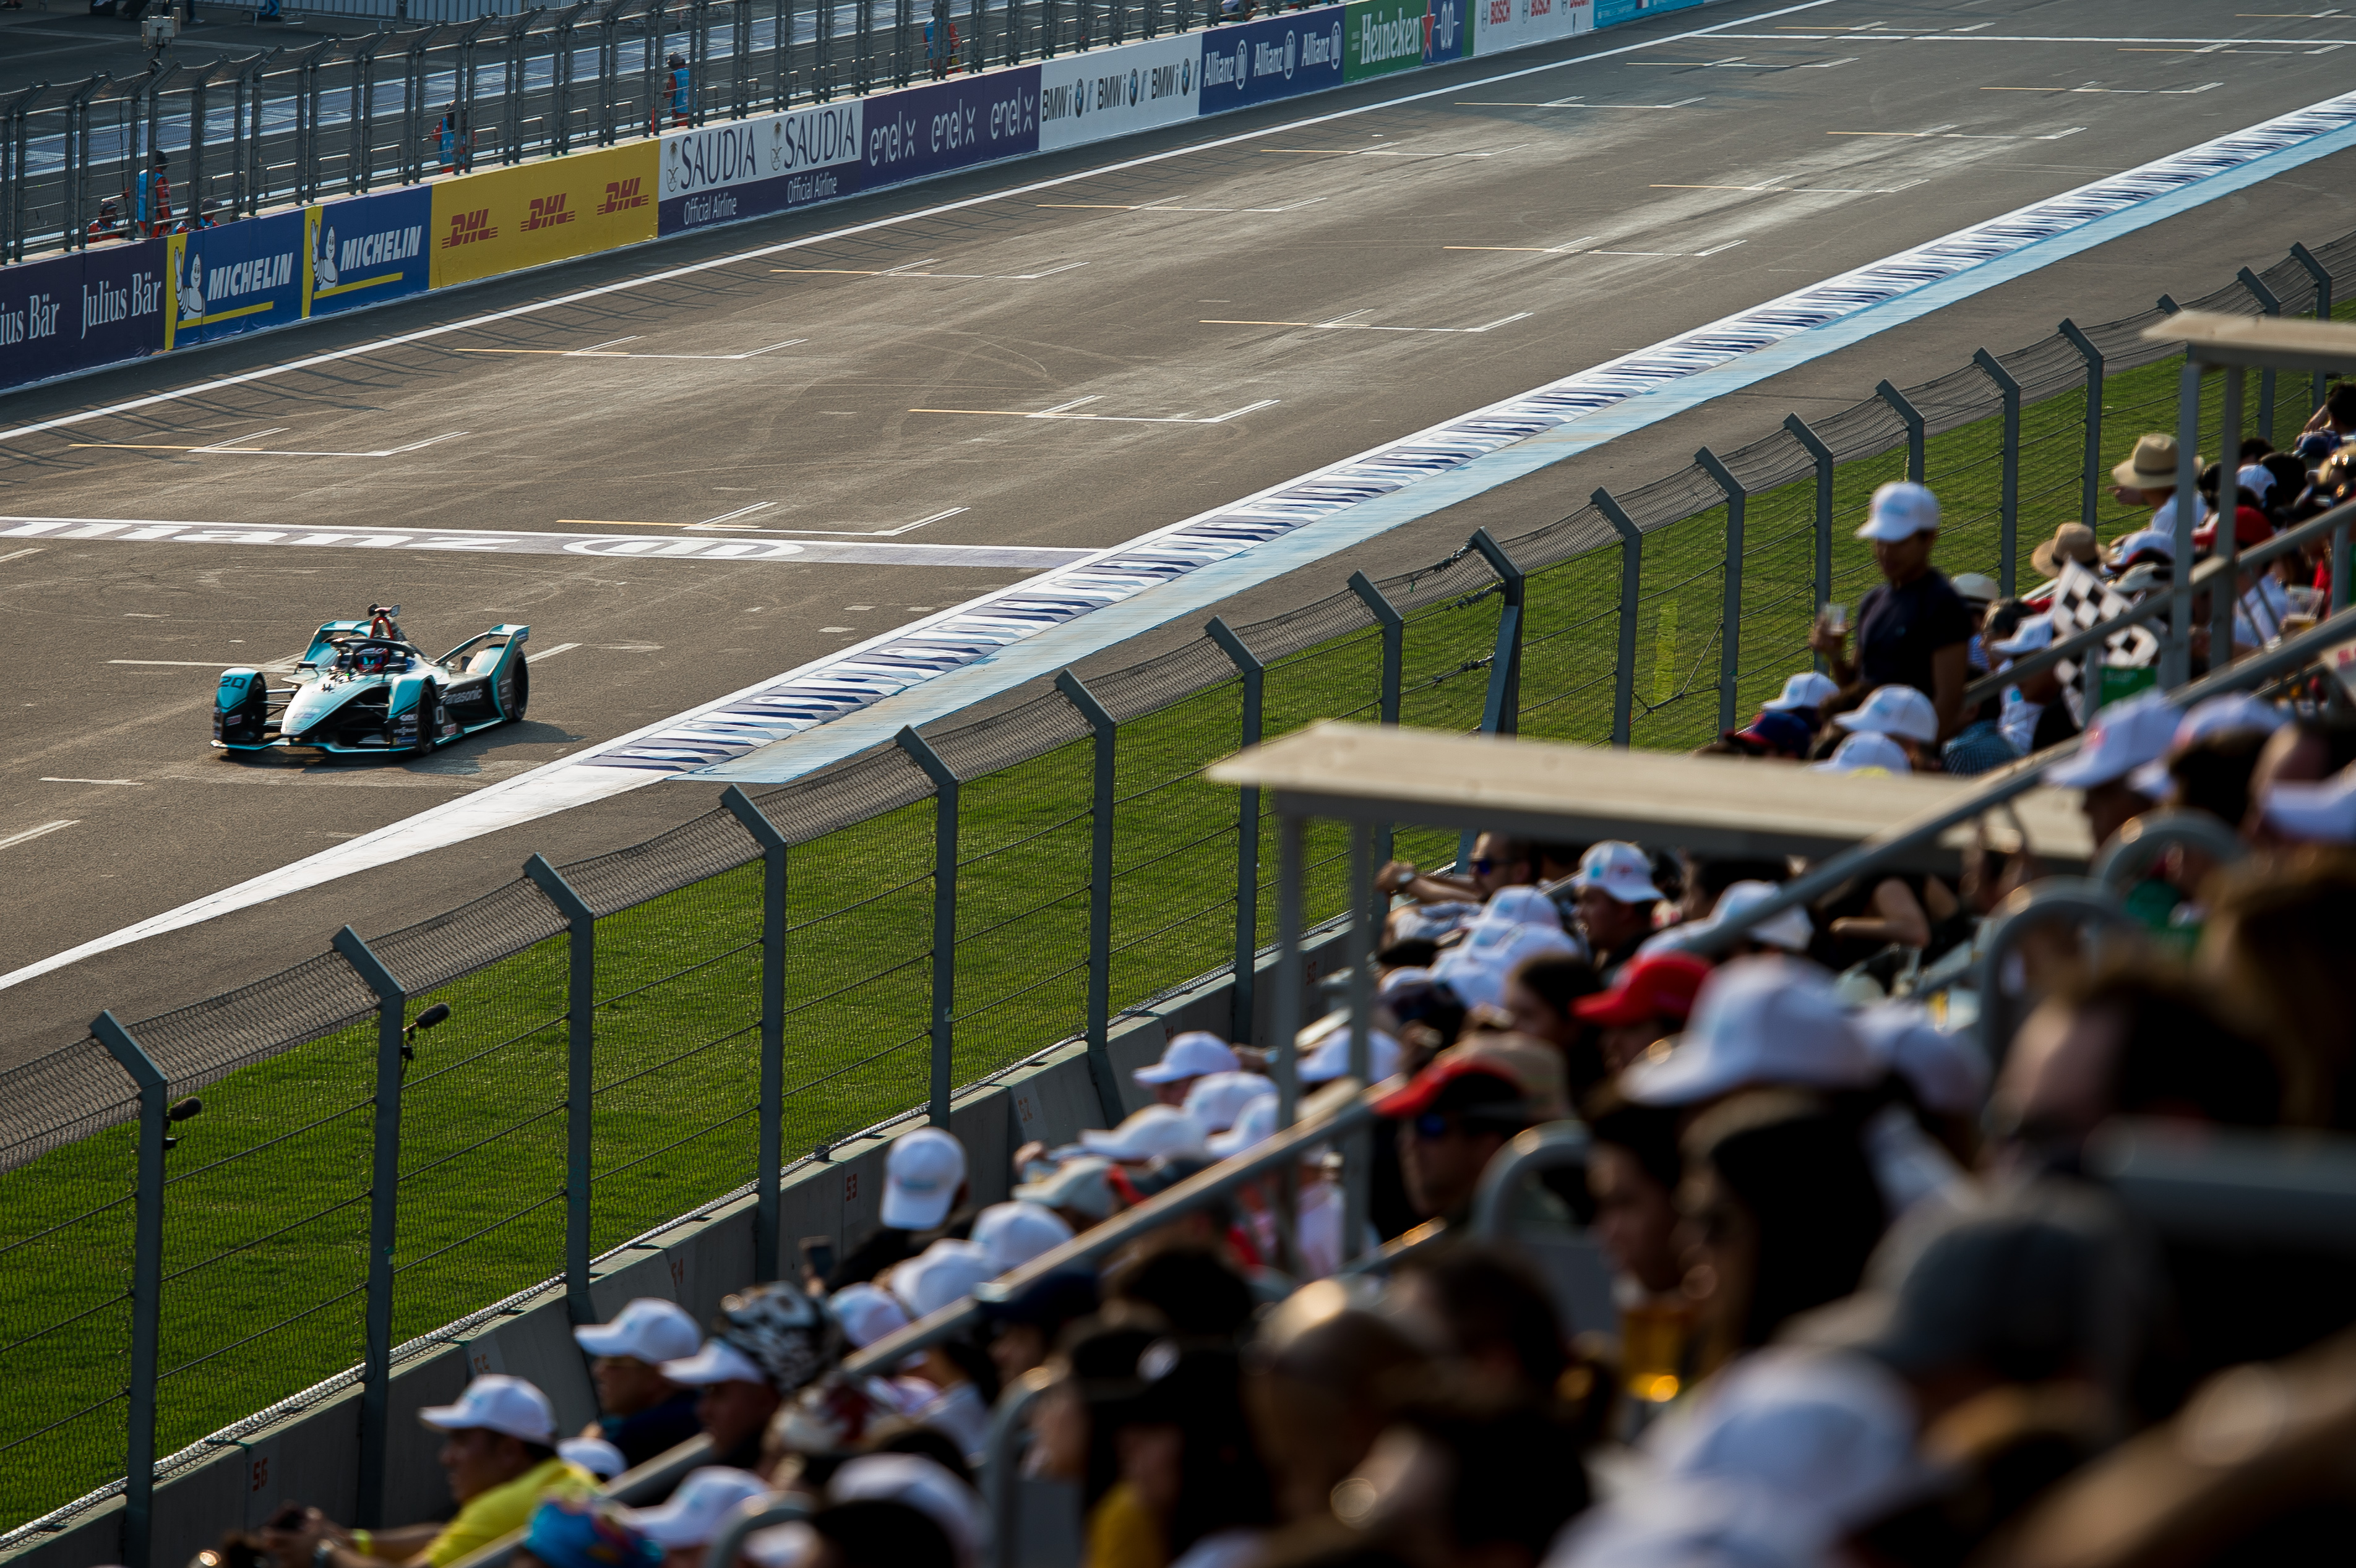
(366, 249)
(1262, 61)
(1450, 37)
(1608, 12)
(948, 125)
(1382, 37)
(78, 312)
(1499, 25)
(239, 277)
(504, 220)
(723, 172)
(1110, 93)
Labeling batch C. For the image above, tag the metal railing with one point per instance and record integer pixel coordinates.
(472, 88)
(815, 959)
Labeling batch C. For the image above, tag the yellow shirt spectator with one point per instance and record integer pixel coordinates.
(507, 1507)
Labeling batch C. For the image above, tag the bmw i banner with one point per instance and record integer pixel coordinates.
(1101, 93)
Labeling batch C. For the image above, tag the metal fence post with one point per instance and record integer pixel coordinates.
(2322, 276)
(1631, 576)
(2268, 304)
(1823, 455)
(1501, 714)
(1916, 436)
(580, 1015)
(1255, 676)
(2094, 473)
(384, 1205)
(771, 1155)
(2176, 649)
(147, 1288)
(1394, 625)
(1730, 659)
(2225, 594)
(2008, 505)
(1100, 826)
(945, 881)
(1357, 1153)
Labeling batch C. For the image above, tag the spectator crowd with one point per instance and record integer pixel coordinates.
(1873, 1300)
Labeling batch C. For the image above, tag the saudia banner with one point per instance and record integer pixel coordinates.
(78, 312)
(1280, 57)
(723, 172)
(504, 220)
(239, 277)
(367, 248)
(1110, 93)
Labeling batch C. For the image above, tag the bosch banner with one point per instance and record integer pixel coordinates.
(1110, 93)
(505, 219)
(1280, 57)
(952, 125)
(366, 249)
(238, 277)
(79, 311)
(723, 172)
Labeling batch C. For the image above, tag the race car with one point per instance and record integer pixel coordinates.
(363, 689)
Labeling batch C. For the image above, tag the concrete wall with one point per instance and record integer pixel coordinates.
(312, 1455)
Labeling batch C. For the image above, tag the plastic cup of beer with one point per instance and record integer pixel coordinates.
(1653, 1339)
(1833, 618)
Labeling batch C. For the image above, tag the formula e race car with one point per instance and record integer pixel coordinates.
(362, 689)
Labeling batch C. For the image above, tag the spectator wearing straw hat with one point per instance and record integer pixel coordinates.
(1913, 630)
(498, 1448)
(2146, 477)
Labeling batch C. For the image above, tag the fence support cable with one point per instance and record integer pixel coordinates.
(580, 1082)
(1254, 676)
(1823, 455)
(1730, 659)
(1100, 826)
(385, 1200)
(944, 884)
(2007, 524)
(770, 1158)
(1631, 579)
(147, 1288)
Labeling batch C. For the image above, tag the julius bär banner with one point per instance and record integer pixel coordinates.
(504, 220)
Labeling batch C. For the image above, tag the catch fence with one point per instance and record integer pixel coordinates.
(453, 86)
(635, 1036)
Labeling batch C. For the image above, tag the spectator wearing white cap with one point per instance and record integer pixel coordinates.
(943, 1274)
(1913, 630)
(595, 1454)
(644, 1413)
(767, 1343)
(1902, 714)
(1616, 897)
(1474, 971)
(1869, 751)
(2031, 714)
(699, 1510)
(1789, 932)
(1803, 696)
(1146, 1135)
(1011, 1234)
(1189, 1056)
(2123, 738)
(1217, 1097)
(925, 1196)
(1756, 1022)
(499, 1449)
(1080, 1189)
(1323, 1053)
(2321, 813)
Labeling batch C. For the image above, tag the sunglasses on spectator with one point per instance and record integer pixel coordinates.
(1482, 866)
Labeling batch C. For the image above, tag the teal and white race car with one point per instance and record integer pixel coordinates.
(363, 689)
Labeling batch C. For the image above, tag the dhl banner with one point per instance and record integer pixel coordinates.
(503, 220)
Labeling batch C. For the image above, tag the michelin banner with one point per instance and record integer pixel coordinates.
(1111, 92)
(1280, 57)
(240, 277)
(76, 313)
(366, 249)
(505, 219)
(723, 172)
(955, 125)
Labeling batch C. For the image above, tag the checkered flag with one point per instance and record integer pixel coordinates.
(2082, 601)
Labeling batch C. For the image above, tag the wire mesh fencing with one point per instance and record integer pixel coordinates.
(1651, 618)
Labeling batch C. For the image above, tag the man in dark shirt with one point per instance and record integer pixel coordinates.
(925, 1199)
(644, 1413)
(1914, 630)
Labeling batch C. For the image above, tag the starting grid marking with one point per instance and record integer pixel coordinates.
(229, 449)
(606, 351)
(654, 546)
(1061, 412)
(1343, 323)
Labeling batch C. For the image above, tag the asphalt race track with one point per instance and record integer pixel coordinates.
(939, 404)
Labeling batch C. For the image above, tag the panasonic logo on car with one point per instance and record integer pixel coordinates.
(824, 135)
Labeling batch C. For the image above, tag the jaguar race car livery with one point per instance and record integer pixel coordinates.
(363, 689)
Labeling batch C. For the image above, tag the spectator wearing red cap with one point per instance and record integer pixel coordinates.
(1461, 1110)
(1653, 999)
(1616, 897)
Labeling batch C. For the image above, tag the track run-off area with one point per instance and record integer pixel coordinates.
(694, 466)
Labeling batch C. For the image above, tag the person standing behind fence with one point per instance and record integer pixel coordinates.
(678, 88)
(151, 197)
(1914, 630)
(453, 138)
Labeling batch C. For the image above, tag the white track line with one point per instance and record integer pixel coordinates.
(32, 833)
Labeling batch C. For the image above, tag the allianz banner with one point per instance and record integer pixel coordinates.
(239, 277)
(367, 248)
(723, 172)
(1111, 92)
(1280, 57)
(76, 313)
(505, 219)
(1384, 37)
(953, 124)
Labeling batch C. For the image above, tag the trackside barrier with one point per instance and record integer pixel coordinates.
(768, 120)
(1063, 920)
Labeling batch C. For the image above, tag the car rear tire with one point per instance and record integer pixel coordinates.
(520, 693)
(429, 719)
